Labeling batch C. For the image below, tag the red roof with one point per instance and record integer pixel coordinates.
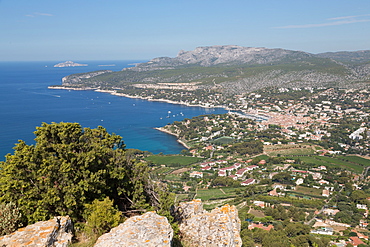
(356, 241)
(261, 226)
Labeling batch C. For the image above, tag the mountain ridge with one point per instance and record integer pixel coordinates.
(234, 69)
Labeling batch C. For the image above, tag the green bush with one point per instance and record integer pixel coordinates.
(10, 218)
(101, 216)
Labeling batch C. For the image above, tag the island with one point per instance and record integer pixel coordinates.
(69, 64)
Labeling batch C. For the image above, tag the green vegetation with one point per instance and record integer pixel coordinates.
(217, 193)
(70, 167)
(356, 159)
(101, 216)
(10, 218)
(173, 160)
(333, 161)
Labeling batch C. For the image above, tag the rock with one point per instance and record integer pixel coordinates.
(187, 210)
(149, 229)
(220, 227)
(56, 232)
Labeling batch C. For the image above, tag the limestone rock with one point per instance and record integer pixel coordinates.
(187, 210)
(220, 227)
(56, 232)
(149, 229)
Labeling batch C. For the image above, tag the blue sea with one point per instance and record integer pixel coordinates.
(26, 102)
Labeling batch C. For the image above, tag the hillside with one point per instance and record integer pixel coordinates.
(234, 70)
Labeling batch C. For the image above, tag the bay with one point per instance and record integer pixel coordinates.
(26, 102)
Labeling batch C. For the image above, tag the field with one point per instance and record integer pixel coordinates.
(347, 165)
(357, 159)
(353, 163)
(308, 191)
(216, 193)
(286, 150)
(173, 160)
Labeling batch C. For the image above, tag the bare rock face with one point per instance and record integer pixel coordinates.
(56, 232)
(149, 229)
(220, 227)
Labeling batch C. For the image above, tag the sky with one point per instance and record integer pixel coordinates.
(80, 30)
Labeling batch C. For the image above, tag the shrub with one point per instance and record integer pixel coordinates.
(10, 218)
(101, 216)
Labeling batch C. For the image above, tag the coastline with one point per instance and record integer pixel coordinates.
(170, 133)
(113, 92)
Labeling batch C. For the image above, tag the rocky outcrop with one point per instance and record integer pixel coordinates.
(149, 229)
(56, 232)
(220, 227)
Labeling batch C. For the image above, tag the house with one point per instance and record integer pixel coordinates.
(222, 173)
(361, 206)
(259, 204)
(329, 211)
(240, 173)
(205, 164)
(249, 181)
(355, 241)
(299, 181)
(325, 193)
(322, 182)
(261, 226)
(262, 162)
(233, 177)
(252, 167)
(323, 231)
(273, 193)
(196, 174)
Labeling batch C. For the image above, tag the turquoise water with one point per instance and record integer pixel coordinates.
(26, 102)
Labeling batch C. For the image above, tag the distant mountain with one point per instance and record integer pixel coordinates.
(348, 56)
(227, 55)
(234, 69)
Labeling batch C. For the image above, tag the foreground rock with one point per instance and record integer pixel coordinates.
(149, 229)
(220, 227)
(56, 232)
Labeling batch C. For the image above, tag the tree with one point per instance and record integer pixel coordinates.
(69, 167)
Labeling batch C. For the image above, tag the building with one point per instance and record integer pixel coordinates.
(323, 231)
(240, 173)
(196, 174)
(261, 226)
(249, 181)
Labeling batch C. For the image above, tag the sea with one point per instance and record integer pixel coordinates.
(26, 102)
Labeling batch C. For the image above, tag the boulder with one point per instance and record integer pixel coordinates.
(149, 229)
(220, 227)
(56, 232)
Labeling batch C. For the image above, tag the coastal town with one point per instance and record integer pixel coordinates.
(300, 155)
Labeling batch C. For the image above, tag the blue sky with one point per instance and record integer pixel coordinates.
(143, 29)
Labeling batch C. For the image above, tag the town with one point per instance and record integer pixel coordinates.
(293, 159)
